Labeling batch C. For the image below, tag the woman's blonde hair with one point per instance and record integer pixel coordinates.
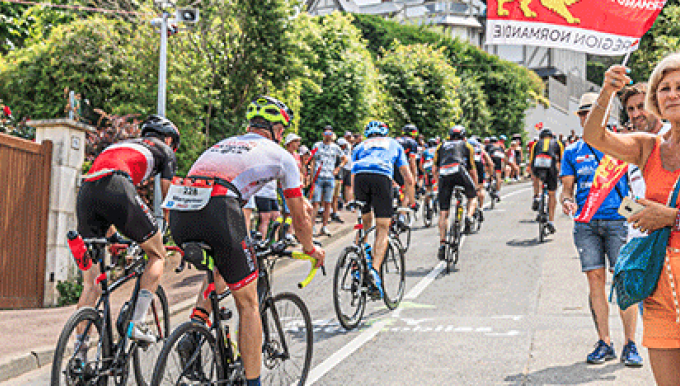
(669, 64)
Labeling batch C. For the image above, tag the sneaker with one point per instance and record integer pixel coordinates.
(630, 356)
(140, 332)
(376, 288)
(324, 231)
(442, 252)
(480, 215)
(291, 240)
(551, 228)
(186, 348)
(534, 205)
(336, 218)
(602, 353)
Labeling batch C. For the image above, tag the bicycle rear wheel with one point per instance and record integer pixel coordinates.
(78, 360)
(189, 357)
(393, 275)
(145, 355)
(542, 220)
(349, 292)
(427, 214)
(288, 341)
(452, 245)
(404, 232)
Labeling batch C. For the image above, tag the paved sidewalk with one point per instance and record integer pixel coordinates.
(29, 336)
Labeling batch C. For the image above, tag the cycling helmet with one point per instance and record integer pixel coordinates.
(545, 133)
(457, 132)
(474, 142)
(376, 128)
(270, 109)
(503, 137)
(493, 139)
(410, 130)
(155, 125)
(432, 142)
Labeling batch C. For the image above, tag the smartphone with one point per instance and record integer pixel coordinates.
(629, 207)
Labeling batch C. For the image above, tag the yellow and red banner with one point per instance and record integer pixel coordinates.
(602, 27)
(607, 175)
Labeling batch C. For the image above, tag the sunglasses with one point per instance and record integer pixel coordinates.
(582, 113)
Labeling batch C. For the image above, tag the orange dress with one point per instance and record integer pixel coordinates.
(661, 316)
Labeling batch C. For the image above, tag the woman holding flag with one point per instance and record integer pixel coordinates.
(659, 158)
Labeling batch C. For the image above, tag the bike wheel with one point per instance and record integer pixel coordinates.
(288, 341)
(349, 292)
(393, 276)
(452, 249)
(144, 355)
(189, 357)
(427, 214)
(477, 224)
(542, 219)
(79, 361)
(404, 233)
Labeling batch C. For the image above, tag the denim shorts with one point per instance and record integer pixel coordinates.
(323, 190)
(598, 238)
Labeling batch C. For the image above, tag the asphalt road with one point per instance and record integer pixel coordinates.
(514, 312)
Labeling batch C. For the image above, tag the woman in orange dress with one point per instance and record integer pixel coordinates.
(659, 158)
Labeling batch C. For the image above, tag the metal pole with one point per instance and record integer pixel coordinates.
(71, 103)
(162, 71)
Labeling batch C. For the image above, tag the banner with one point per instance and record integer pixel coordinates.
(602, 27)
(607, 175)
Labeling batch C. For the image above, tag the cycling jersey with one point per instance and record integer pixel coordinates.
(410, 146)
(546, 153)
(378, 155)
(495, 151)
(451, 156)
(427, 159)
(139, 158)
(249, 162)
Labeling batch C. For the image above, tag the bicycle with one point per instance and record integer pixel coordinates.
(351, 279)
(454, 234)
(90, 328)
(212, 356)
(542, 217)
(491, 188)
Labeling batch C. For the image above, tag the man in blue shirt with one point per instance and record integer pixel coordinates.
(373, 162)
(602, 235)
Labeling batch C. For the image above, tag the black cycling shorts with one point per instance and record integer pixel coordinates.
(376, 191)
(265, 205)
(497, 164)
(221, 225)
(113, 200)
(549, 176)
(398, 178)
(446, 185)
(480, 172)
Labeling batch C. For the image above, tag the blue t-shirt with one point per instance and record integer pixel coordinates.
(580, 162)
(378, 155)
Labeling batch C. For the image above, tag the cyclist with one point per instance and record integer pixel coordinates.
(410, 146)
(238, 167)
(497, 154)
(482, 162)
(546, 155)
(426, 163)
(373, 164)
(108, 197)
(452, 160)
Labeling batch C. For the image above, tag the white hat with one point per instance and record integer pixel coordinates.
(291, 137)
(342, 142)
(587, 101)
(303, 150)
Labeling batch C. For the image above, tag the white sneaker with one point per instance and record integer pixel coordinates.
(324, 231)
(140, 332)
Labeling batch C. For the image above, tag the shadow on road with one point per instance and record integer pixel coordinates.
(420, 272)
(574, 374)
(526, 243)
(525, 221)
(189, 280)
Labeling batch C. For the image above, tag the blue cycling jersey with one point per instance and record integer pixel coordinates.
(378, 155)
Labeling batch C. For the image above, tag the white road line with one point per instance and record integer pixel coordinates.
(319, 371)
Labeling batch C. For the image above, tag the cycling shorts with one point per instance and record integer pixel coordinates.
(547, 175)
(480, 172)
(265, 205)
(497, 164)
(376, 191)
(113, 200)
(221, 225)
(347, 178)
(446, 185)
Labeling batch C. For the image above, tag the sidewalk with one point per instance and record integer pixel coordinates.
(29, 337)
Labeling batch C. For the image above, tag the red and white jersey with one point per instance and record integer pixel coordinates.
(249, 162)
(139, 158)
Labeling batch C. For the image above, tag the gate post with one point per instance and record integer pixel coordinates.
(68, 154)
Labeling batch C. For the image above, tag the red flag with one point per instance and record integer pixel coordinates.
(600, 27)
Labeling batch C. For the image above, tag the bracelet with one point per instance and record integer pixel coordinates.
(310, 252)
(676, 227)
(567, 199)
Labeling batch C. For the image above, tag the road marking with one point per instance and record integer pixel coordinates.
(319, 371)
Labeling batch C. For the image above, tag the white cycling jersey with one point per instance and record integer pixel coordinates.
(249, 162)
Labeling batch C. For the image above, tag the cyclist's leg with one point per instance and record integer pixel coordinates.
(552, 196)
(380, 188)
(445, 191)
(250, 328)
(381, 233)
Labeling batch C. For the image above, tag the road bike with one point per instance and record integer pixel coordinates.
(429, 208)
(197, 354)
(491, 188)
(92, 349)
(351, 279)
(455, 231)
(477, 219)
(542, 217)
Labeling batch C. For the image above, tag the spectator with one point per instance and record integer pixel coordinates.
(656, 156)
(349, 137)
(345, 175)
(267, 206)
(305, 158)
(358, 137)
(601, 235)
(328, 159)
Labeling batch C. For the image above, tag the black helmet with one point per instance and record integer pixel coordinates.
(457, 132)
(411, 130)
(493, 139)
(155, 125)
(432, 142)
(545, 133)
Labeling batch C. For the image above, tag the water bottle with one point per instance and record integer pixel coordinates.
(79, 250)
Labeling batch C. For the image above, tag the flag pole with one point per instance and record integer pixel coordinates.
(611, 98)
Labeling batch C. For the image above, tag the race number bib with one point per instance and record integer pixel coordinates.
(478, 158)
(447, 170)
(543, 161)
(499, 154)
(187, 198)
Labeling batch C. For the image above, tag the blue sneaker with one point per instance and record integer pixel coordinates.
(376, 284)
(602, 353)
(630, 356)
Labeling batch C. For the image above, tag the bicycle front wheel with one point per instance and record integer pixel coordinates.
(349, 295)
(427, 214)
(188, 357)
(145, 355)
(287, 342)
(79, 356)
(393, 275)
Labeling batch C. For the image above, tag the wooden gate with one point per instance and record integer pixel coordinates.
(25, 169)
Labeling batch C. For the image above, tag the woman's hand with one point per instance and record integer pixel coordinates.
(616, 78)
(653, 217)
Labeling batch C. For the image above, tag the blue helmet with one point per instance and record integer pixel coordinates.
(376, 128)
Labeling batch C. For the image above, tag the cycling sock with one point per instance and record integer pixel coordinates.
(201, 315)
(253, 382)
(143, 302)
